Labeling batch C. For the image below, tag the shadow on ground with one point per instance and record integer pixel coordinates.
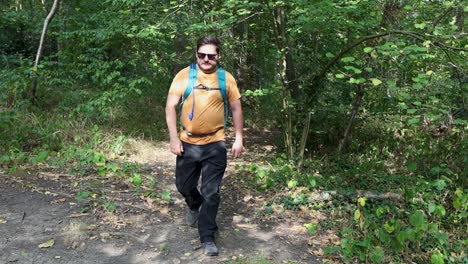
(37, 207)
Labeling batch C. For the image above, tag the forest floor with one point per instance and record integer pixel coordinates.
(41, 220)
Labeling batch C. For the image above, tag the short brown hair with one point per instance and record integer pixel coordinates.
(209, 40)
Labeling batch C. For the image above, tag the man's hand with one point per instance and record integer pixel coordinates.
(176, 146)
(237, 148)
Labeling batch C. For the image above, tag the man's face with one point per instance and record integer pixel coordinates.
(207, 58)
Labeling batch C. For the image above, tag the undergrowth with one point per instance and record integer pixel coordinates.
(419, 215)
(77, 147)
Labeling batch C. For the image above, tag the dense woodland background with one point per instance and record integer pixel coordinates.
(368, 96)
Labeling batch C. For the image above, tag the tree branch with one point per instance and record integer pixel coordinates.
(41, 47)
(337, 57)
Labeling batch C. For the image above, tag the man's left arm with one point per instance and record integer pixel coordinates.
(238, 119)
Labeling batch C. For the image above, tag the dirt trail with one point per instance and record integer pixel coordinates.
(36, 207)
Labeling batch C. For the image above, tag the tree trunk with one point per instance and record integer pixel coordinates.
(460, 18)
(284, 74)
(357, 104)
(305, 135)
(41, 47)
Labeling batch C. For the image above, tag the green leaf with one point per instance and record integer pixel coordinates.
(375, 81)
(377, 255)
(380, 211)
(420, 26)
(440, 211)
(389, 227)
(312, 182)
(354, 69)
(442, 238)
(348, 59)
(412, 166)
(339, 76)
(292, 183)
(362, 201)
(50, 243)
(368, 49)
(357, 215)
(331, 250)
(166, 196)
(136, 180)
(418, 220)
(357, 81)
(414, 121)
(437, 258)
(311, 229)
(81, 196)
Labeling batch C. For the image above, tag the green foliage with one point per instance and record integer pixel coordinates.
(384, 231)
(166, 196)
(280, 173)
(135, 180)
(107, 67)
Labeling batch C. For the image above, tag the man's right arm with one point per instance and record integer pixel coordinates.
(171, 120)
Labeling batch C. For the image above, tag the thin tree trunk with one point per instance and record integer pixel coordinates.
(305, 135)
(41, 47)
(357, 104)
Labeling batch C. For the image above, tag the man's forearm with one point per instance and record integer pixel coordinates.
(171, 121)
(238, 120)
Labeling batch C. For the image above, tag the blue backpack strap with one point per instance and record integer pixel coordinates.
(189, 88)
(222, 86)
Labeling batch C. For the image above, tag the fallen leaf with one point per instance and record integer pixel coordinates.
(61, 200)
(91, 227)
(315, 242)
(105, 235)
(149, 201)
(237, 219)
(318, 252)
(248, 198)
(47, 244)
(304, 208)
(298, 228)
(3, 220)
(164, 210)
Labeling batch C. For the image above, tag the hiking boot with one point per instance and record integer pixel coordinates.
(210, 249)
(192, 217)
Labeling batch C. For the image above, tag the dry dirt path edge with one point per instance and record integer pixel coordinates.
(148, 236)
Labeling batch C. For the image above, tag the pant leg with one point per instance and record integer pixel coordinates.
(188, 168)
(213, 168)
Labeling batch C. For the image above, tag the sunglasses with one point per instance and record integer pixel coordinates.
(202, 56)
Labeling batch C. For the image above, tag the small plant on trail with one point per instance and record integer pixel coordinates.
(135, 180)
(278, 175)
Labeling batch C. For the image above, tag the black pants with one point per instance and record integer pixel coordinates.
(210, 161)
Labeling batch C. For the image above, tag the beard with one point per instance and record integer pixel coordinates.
(207, 66)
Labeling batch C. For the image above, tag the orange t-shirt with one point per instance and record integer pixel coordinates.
(208, 113)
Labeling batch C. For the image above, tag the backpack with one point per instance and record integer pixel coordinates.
(222, 87)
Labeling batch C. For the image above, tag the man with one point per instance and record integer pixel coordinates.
(199, 145)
